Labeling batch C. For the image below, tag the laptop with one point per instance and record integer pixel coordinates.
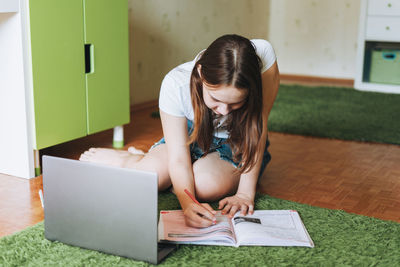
(103, 208)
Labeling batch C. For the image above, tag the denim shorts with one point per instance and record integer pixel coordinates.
(224, 150)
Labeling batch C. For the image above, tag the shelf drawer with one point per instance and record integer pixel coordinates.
(383, 28)
(384, 7)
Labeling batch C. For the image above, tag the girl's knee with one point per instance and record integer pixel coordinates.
(208, 187)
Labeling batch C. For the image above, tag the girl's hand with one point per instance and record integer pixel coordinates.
(237, 202)
(199, 216)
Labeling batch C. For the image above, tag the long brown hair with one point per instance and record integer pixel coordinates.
(230, 60)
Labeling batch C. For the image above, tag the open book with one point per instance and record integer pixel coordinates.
(263, 228)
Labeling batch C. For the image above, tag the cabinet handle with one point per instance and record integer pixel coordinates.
(89, 58)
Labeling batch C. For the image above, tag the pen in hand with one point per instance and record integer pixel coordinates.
(197, 202)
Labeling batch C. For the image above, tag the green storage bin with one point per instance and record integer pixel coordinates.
(385, 66)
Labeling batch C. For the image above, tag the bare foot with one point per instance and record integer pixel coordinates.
(135, 151)
(107, 156)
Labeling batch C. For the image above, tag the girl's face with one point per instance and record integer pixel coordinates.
(224, 98)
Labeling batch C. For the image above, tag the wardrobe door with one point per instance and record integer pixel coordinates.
(58, 70)
(107, 78)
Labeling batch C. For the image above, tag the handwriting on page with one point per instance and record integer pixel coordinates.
(246, 219)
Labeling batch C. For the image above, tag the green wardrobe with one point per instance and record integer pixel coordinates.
(80, 68)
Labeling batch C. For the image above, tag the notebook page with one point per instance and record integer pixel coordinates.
(271, 228)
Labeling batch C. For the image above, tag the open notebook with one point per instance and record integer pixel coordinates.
(263, 228)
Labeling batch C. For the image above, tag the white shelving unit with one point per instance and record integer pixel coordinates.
(380, 25)
(19, 152)
(16, 153)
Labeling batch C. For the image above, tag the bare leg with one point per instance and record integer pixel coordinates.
(214, 178)
(112, 157)
(155, 160)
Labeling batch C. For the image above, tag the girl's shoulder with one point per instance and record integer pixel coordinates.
(261, 43)
(180, 75)
(266, 53)
(174, 96)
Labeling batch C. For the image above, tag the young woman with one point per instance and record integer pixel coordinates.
(214, 113)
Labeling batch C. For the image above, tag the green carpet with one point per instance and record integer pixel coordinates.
(341, 239)
(334, 112)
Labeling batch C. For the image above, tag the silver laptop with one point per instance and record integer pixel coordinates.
(109, 209)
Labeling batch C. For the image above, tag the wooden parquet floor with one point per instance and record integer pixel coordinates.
(362, 178)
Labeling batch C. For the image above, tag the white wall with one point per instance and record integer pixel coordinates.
(166, 33)
(310, 37)
(315, 37)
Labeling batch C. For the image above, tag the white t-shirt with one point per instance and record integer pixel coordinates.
(175, 96)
